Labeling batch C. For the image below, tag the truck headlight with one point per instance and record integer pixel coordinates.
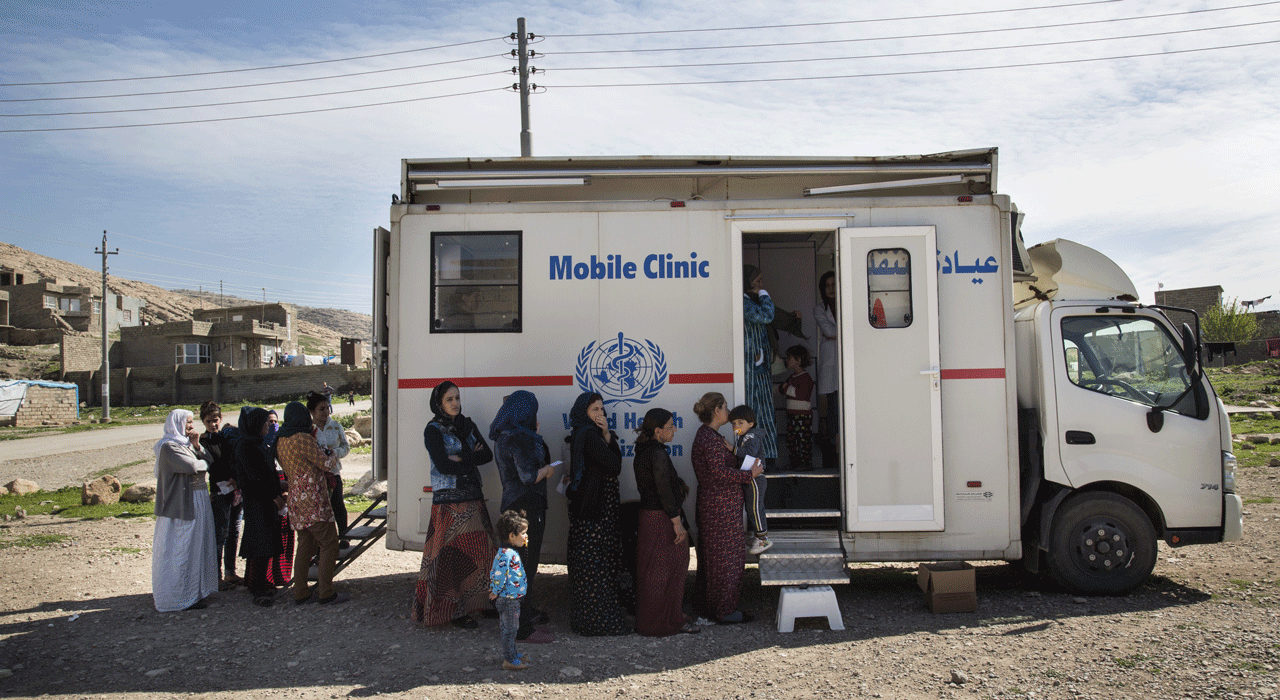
(1228, 472)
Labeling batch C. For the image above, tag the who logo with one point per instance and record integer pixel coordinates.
(624, 371)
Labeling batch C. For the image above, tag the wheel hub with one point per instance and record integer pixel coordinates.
(1103, 546)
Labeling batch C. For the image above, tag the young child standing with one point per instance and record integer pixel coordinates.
(508, 584)
(799, 392)
(750, 446)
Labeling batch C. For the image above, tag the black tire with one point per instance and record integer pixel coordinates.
(1101, 544)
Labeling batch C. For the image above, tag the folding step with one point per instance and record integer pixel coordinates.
(362, 532)
(378, 513)
(772, 513)
(803, 557)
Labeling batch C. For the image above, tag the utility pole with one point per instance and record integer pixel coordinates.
(106, 360)
(522, 44)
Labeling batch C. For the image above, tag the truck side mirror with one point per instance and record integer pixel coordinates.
(1190, 350)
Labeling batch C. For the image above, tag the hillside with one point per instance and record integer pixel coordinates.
(327, 326)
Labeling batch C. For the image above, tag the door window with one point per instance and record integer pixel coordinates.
(1134, 359)
(889, 288)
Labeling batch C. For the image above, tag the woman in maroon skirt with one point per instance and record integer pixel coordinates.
(662, 552)
(722, 543)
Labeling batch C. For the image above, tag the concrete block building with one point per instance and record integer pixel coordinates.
(241, 337)
(58, 304)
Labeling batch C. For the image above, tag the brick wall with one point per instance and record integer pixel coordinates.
(45, 405)
(146, 386)
(84, 352)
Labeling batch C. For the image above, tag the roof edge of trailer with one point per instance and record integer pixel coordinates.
(629, 166)
(440, 180)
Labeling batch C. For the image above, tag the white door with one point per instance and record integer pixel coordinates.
(890, 394)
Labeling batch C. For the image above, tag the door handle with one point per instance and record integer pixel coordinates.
(935, 373)
(1080, 437)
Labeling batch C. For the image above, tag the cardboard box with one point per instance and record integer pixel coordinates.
(948, 586)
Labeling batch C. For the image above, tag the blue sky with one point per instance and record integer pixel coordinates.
(1168, 163)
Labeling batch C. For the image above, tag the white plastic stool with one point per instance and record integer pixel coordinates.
(810, 601)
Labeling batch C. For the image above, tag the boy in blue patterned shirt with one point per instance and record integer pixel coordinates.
(508, 584)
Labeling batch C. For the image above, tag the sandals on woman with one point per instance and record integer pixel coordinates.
(690, 628)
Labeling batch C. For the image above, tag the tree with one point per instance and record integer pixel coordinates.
(1229, 323)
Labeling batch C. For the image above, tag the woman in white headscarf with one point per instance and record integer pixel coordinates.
(184, 552)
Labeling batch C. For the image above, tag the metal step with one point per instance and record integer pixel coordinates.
(378, 513)
(815, 474)
(801, 513)
(804, 557)
(362, 532)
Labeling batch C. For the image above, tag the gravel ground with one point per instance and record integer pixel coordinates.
(76, 620)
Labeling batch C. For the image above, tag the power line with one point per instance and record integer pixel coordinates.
(910, 53)
(259, 100)
(834, 23)
(911, 36)
(247, 70)
(252, 116)
(916, 72)
(253, 85)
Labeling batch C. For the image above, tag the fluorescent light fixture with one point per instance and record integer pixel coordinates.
(503, 182)
(893, 184)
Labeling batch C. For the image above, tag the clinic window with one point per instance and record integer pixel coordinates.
(191, 354)
(889, 288)
(475, 282)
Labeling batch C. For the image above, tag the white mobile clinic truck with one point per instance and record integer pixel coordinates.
(994, 402)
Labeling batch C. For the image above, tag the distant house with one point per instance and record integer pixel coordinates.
(240, 337)
(58, 304)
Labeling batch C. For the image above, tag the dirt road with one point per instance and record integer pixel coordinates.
(76, 620)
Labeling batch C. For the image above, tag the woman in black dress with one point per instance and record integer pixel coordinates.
(595, 547)
(263, 498)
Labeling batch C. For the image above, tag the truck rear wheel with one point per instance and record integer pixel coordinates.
(1101, 544)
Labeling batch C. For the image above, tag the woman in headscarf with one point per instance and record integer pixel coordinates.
(522, 458)
(454, 580)
(662, 550)
(595, 544)
(310, 515)
(757, 314)
(184, 551)
(721, 541)
(263, 498)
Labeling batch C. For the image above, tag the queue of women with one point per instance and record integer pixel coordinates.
(277, 480)
(453, 584)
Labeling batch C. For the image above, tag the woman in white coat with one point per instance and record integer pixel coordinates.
(184, 552)
(828, 363)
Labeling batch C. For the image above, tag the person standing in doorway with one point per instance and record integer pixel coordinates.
(828, 367)
(757, 313)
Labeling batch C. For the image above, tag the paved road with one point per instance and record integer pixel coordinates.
(62, 443)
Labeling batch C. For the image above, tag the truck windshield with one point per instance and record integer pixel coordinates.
(1130, 358)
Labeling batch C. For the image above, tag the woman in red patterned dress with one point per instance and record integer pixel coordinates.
(722, 543)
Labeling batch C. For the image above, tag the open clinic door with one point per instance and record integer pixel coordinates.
(890, 395)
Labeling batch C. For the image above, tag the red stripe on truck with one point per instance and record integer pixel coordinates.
(977, 373)
(548, 380)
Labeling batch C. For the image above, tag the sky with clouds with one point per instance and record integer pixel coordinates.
(1148, 130)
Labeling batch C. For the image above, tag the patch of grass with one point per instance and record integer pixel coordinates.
(362, 450)
(1253, 666)
(1240, 384)
(1250, 423)
(1260, 456)
(348, 420)
(37, 540)
(65, 503)
(1260, 499)
(128, 550)
(1240, 584)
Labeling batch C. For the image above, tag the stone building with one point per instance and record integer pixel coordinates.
(4, 318)
(240, 337)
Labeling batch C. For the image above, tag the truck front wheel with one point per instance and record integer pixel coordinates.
(1101, 544)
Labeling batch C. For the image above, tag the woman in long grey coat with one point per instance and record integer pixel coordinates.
(184, 552)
